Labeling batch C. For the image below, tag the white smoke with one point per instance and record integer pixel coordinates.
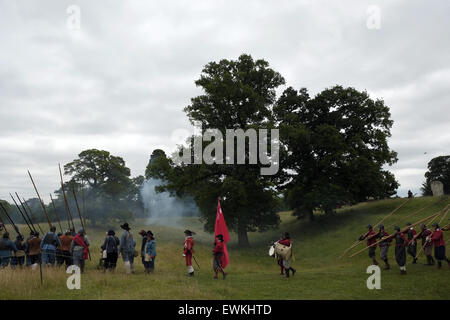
(163, 209)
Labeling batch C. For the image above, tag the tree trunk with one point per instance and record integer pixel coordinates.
(243, 237)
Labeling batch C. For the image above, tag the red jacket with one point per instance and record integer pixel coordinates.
(218, 248)
(188, 246)
(438, 238)
(371, 239)
(285, 242)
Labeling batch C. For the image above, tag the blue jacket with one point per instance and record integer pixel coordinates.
(7, 246)
(150, 248)
(50, 241)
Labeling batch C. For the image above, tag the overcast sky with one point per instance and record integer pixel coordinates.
(121, 81)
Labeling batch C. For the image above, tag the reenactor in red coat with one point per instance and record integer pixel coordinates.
(371, 242)
(188, 251)
(426, 245)
(286, 241)
(412, 246)
(437, 237)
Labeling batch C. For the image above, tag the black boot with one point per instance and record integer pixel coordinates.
(293, 271)
(191, 274)
(287, 273)
(414, 260)
(387, 266)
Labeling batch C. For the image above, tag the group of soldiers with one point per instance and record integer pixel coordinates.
(406, 243)
(72, 248)
(51, 249)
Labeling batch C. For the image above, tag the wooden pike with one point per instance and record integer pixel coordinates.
(4, 225)
(360, 241)
(442, 219)
(69, 215)
(416, 212)
(42, 202)
(10, 220)
(81, 219)
(31, 215)
(56, 213)
(402, 231)
(21, 213)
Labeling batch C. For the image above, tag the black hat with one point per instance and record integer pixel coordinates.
(111, 232)
(397, 228)
(149, 233)
(220, 237)
(125, 226)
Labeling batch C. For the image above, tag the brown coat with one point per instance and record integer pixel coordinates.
(65, 242)
(34, 246)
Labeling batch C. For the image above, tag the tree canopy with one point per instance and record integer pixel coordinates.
(438, 170)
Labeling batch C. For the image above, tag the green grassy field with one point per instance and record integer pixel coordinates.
(252, 273)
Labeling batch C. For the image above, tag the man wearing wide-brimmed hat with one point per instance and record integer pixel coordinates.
(127, 245)
(188, 251)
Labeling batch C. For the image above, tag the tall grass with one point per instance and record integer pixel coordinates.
(252, 273)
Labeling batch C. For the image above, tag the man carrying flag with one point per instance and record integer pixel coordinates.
(222, 236)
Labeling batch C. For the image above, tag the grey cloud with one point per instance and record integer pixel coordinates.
(121, 82)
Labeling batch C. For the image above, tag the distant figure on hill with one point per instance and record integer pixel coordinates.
(127, 245)
(412, 246)
(188, 251)
(384, 243)
(371, 243)
(410, 194)
(286, 241)
(439, 245)
(110, 245)
(150, 253)
(426, 245)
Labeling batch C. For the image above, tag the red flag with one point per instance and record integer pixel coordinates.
(221, 228)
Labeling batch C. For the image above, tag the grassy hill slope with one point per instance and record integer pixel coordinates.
(252, 273)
